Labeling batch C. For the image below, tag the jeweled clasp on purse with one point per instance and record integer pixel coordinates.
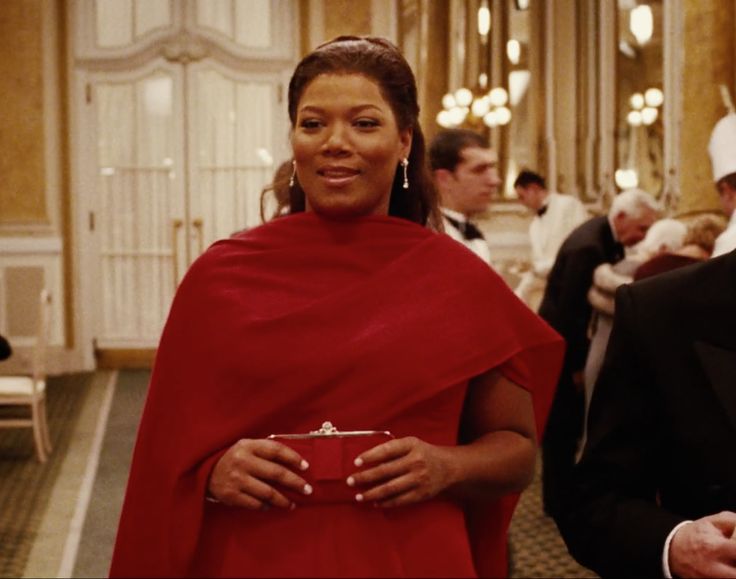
(329, 430)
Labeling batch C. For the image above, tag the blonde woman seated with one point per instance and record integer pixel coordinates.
(698, 246)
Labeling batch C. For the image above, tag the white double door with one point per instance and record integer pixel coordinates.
(175, 156)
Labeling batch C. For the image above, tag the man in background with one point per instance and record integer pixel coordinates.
(5, 349)
(655, 490)
(566, 308)
(555, 217)
(465, 171)
(722, 149)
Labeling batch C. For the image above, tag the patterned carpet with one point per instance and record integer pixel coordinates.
(25, 484)
(537, 550)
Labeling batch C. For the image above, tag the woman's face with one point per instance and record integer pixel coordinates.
(347, 146)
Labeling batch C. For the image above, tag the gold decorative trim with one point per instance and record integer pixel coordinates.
(118, 359)
(67, 226)
(304, 35)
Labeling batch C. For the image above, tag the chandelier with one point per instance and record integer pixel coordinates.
(481, 106)
(474, 108)
(645, 107)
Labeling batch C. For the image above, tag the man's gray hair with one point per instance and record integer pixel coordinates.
(633, 202)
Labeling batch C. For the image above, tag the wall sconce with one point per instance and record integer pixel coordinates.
(513, 51)
(641, 23)
(626, 178)
(484, 21)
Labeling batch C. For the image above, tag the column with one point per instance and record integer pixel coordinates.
(707, 62)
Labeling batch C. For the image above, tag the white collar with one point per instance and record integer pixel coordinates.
(456, 215)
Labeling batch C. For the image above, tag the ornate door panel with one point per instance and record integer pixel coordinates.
(181, 124)
(237, 134)
(138, 201)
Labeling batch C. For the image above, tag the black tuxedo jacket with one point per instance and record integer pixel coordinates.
(565, 304)
(662, 426)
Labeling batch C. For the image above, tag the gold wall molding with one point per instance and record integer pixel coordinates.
(22, 187)
(708, 61)
(323, 20)
(351, 18)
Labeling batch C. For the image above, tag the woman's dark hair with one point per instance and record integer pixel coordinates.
(381, 61)
(279, 188)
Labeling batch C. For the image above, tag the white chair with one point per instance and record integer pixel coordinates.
(30, 390)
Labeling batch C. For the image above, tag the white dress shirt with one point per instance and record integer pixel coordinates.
(478, 246)
(666, 571)
(726, 241)
(561, 215)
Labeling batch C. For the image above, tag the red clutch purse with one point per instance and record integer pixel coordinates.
(330, 454)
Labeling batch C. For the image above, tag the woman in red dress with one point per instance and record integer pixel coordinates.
(350, 310)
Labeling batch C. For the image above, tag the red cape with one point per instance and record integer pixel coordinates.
(304, 320)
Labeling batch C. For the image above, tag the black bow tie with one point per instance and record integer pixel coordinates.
(467, 229)
(542, 210)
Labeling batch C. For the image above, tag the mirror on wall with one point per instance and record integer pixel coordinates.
(493, 79)
(522, 68)
(588, 110)
(639, 96)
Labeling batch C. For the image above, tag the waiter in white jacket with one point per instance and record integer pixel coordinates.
(555, 217)
(722, 150)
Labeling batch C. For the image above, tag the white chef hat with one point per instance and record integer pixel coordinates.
(722, 147)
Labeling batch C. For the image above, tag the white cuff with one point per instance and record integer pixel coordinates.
(666, 550)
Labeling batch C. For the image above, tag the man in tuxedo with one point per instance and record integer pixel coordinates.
(566, 308)
(655, 490)
(555, 216)
(465, 171)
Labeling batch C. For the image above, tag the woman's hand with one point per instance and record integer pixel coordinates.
(401, 472)
(496, 456)
(245, 474)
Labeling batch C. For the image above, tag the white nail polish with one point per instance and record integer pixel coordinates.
(304, 465)
(307, 489)
(351, 481)
(358, 462)
(359, 498)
